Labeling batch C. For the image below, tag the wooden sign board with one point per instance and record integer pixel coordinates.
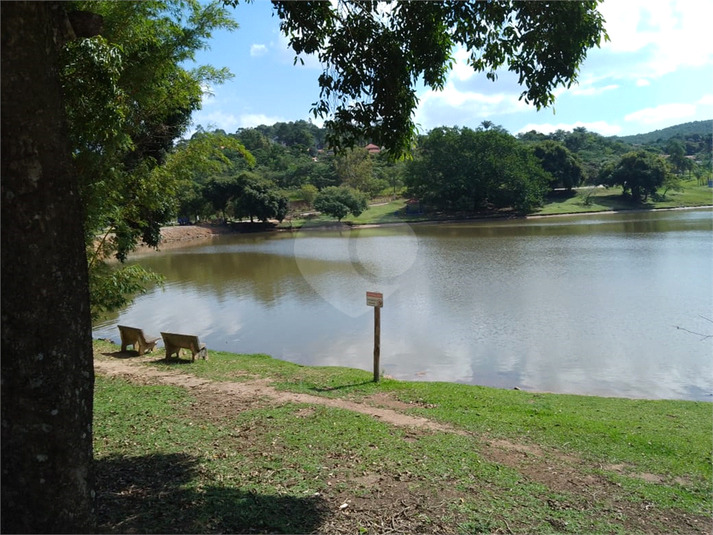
(374, 299)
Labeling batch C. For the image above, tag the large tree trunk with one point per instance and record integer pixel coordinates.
(47, 369)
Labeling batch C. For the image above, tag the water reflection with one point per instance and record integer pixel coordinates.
(581, 305)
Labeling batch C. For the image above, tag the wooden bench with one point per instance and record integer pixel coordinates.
(175, 342)
(131, 336)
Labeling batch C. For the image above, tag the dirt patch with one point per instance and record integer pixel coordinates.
(650, 478)
(525, 449)
(251, 390)
(386, 399)
(180, 236)
(392, 506)
(192, 232)
(563, 474)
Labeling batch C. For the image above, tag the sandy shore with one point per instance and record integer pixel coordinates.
(191, 232)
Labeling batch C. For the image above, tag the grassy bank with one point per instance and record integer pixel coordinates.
(581, 201)
(200, 459)
(602, 199)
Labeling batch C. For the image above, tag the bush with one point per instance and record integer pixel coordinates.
(340, 201)
(308, 193)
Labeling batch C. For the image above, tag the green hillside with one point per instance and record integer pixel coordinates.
(679, 131)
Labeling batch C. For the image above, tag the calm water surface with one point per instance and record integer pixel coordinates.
(585, 305)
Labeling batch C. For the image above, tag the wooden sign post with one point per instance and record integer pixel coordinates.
(376, 300)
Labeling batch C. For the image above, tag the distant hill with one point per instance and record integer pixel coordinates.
(678, 131)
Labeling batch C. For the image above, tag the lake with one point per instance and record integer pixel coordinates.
(582, 304)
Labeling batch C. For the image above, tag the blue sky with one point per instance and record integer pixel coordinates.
(656, 71)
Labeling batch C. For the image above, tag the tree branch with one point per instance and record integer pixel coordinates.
(703, 336)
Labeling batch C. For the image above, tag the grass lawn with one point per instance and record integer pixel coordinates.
(376, 214)
(197, 459)
(603, 199)
(600, 199)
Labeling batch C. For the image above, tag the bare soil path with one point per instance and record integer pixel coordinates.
(250, 391)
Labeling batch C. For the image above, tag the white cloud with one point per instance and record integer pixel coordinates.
(208, 96)
(453, 106)
(230, 122)
(318, 122)
(454, 97)
(662, 114)
(258, 50)
(658, 36)
(642, 82)
(704, 106)
(601, 127)
(461, 70)
(216, 119)
(251, 120)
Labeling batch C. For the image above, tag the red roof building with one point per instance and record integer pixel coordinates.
(372, 149)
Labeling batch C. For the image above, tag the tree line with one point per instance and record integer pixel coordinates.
(452, 169)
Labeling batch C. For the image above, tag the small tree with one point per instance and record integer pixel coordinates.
(259, 198)
(564, 167)
(338, 202)
(356, 170)
(677, 156)
(639, 173)
(671, 183)
(308, 193)
(218, 192)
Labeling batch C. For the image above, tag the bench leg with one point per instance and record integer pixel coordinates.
(146, 348)
(202, 353)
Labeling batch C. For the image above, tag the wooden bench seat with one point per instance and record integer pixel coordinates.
(131, 336)
(175, 342)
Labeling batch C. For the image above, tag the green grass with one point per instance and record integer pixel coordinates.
(607, 430)
(162, 467)
(611, 199)
(376, 214)
(601, 199)
(296, 451)
(233, 476)
(380, 213)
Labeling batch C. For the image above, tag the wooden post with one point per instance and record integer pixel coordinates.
(377, 342)
(376, 300)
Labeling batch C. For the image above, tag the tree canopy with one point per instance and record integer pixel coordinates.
(128, 98)
(638, 172)
(374, 55)
(564, 167)
(467, 170)
(339, 202)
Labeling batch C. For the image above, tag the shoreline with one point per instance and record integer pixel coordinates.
(627, 211)
(175, 236)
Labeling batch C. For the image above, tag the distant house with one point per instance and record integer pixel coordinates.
(372, 149)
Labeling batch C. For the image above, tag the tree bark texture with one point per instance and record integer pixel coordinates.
(47, 367)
